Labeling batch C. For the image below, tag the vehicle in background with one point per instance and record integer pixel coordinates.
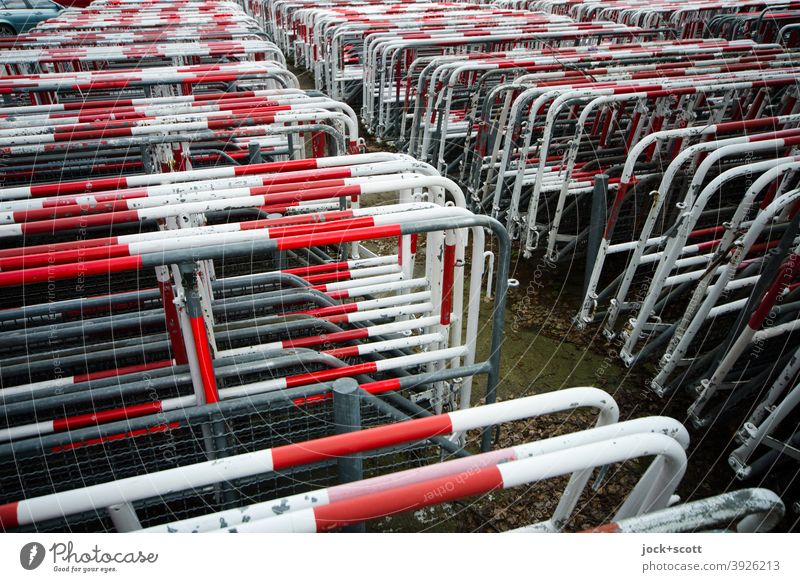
(18, 16)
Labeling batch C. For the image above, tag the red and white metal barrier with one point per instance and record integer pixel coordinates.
(217, 276)
(282, 458)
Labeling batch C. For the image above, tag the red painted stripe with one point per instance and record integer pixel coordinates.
(317, 217)
(287, 166)
(331, 310)
(74, 222)
(701, 232)
(317, 227)
(121, 371)
(314, 269)
(340, 294)
(279, 186)
(62, 257)
(57, 272)
(93, 104)
(382, 386)
(172, 323)
(708, 245)
(633, 127)
(447, 283)
(347, 352)
(314, 399)
(770, 195)
(318, 144)
(312, 194)
(74, 136)
(785, 276)
(8, 515)
(606, 528)
(65, 211)
(204, 358)
(332, 374)
(781, 134)
(100, 184)
(408, 498)
(78, 187)
(755, 106)
(338, 237)
(328, 277)
(82, 420)
(347, 444)
(116, 437)
(339, 336)
(607, 125)
(655, 127)
(338, 319)
(312, 176)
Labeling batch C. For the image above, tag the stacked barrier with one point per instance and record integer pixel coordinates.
(181, 131)
(543, 149)
(757, 19)
(655, 139)
(118, 23)
(202, 327)
(203, 308)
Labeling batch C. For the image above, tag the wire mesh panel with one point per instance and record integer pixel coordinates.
(173, 444)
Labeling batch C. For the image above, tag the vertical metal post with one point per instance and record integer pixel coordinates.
(199, 334)
(178, 347)
(200, 362)
(597, 221)
(254, 154)
(124, 517)
(498, 321)
(227, 494)
(347, 417)
(279, 256)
